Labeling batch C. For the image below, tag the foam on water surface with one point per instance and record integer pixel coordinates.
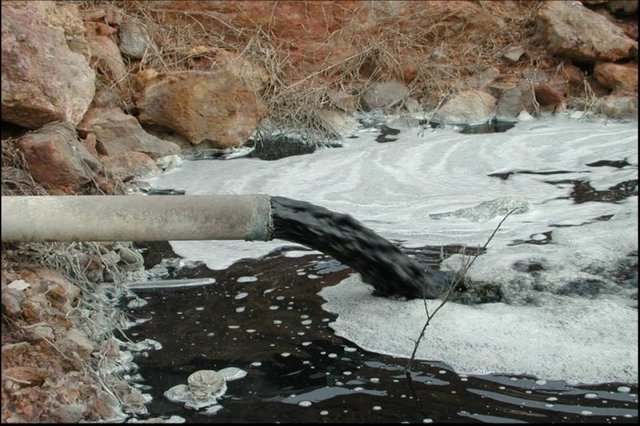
(440, 187)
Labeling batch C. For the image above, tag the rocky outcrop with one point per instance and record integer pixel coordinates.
(571, 30)
(117, 132)
(57, 159)
(43, 80)
(202, 106)
(468, 107)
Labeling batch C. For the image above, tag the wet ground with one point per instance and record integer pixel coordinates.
(265, 317)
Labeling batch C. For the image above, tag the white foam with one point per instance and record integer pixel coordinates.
(395, 188)
(574, 339)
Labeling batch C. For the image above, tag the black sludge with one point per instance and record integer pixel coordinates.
(379, 262)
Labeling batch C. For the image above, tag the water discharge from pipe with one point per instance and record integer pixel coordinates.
(379, 262)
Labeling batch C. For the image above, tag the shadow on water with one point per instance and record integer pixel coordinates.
(265, 317)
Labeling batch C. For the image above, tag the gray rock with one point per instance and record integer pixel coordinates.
(617, 106)
(468, 107)
(134, 39)
(513, 52)
(384, 95)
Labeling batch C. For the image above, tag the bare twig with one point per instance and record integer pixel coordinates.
(452, 286)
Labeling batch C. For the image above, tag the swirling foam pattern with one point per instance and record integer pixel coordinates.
(423, 189)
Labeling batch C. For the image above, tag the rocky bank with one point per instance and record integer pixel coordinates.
(97, 93)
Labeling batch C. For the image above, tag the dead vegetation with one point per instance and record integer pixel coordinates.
(434, 47)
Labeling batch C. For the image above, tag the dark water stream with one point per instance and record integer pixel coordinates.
(265, 317)
(379, 262)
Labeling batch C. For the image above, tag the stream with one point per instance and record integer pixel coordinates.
(547, 332)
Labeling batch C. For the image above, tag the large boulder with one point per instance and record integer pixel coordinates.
(117, 132)
(572, 30)
(43, 80)
(57, 159)
(617, 77)
(202, 106)
(468, 107)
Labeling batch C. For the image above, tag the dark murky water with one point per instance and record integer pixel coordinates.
(264, 316)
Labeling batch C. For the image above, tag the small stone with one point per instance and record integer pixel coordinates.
(206, 384)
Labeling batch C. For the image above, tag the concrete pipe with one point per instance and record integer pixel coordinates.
(136, 218)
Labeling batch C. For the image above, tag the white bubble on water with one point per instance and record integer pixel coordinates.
(233, 327)
(274, 307)
(624, 389)
(277, 322)
(541, 382)
(250, 330)
(427, 420)
(332, 355)
(312, 277)
(376, 408)
(285, 354)
(586, 412)
(240, 309)
(256, 364)
(591, 396)
(304, 403)
(305, 343)
(374, 380)
(247, 279)
(306, 322)
(279, 297)
(349, 349)
(324, 412)
(241, 295)
(199, 308)
(304, 316)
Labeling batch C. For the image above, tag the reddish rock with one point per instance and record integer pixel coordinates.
(213, 106)
(116, 132)
(57, 159)
(127, 165)
(617, 77)
(42, 79)
(572, 30)
(106, 59)
(547, 97)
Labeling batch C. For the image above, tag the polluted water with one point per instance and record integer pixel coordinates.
(549, 335)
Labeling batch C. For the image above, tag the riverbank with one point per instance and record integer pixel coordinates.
(140, 83)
